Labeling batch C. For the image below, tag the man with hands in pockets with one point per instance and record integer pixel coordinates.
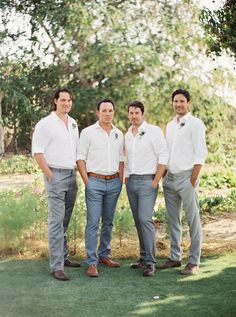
(101, 168)
(54, 147)
(147, 156)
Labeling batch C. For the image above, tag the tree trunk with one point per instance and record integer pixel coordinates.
(1, 127)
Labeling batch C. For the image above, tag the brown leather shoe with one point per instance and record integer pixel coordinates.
(60, 275)
(140, 264)
(69, 263)
(169, 264)
(109, 262)
(92, 271)
(149, 270)
(190, 269)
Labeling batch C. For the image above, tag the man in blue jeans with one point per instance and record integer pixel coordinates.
(147, 157)
(54, 147)
(101, 167)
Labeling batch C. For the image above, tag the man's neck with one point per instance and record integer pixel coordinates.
(63, 116)
(179, 117)
(135, 128)
(106, 126)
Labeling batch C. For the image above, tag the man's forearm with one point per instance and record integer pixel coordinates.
(159, 173)
(39, 158)
(82, 170)
(195, 173)
(121, 171)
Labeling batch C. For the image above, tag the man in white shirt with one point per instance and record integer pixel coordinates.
(101, 167)
(147, 157)
(185, 137)
(54, 147)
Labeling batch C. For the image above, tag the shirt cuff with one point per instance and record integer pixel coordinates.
(163, 161)
(37, 149)
(81, 157)
(199, 161)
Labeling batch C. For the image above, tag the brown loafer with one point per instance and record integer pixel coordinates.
(149, 270)
(190, 269)
(69, 263)
(109, 262)
(60, 275)
(140, 264)
(169, 264)
(92, 271)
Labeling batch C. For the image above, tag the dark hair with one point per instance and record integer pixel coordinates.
(57, 95)
(181, 92)
(105, 100)
(137, 104)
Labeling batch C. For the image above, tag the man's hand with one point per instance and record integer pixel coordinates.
(49, 175)
(155, 184)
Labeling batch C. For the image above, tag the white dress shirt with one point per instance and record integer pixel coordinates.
(145, 150)
(186, 143)
(56, 142)
(102, 151)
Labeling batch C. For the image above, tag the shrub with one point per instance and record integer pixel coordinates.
(18, 164)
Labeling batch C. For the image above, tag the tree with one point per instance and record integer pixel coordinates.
(2, 150)
(122, 49)
(220, 26)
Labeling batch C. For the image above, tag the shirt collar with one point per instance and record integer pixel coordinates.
(97, 126)
(184, 118)
(56, 118)
(142, 127)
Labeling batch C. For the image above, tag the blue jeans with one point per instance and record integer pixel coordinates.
(101, 198)
(61, 193)
(142, 198)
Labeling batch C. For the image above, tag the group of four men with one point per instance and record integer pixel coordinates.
(98, 155)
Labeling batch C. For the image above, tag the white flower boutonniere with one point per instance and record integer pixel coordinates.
(141, 134)
(182, 124)
(73, 125)
(116, 136)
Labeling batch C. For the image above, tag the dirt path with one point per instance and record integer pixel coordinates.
(16, 181)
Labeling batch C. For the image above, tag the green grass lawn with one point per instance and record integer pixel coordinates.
(27, 290)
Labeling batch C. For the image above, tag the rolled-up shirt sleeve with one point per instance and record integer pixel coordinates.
(83, 146)
(199, 143)
(40, 138)
(121, 152)
(160, 147)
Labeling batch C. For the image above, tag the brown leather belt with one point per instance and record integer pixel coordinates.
(106, 177)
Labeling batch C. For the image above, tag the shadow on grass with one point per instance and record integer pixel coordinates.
(28, 290)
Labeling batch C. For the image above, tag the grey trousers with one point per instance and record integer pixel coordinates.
(178, 192)
(61, 193)
(142, 198)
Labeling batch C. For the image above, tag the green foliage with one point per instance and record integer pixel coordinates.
(123, 222)
(20, 164)
(125, 50)
(221, 28)
(219, 204)
(76, 229)
(19, 217)
(218, 179)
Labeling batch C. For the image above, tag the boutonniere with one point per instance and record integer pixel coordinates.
(73, 125)
(116, 135)
(182, 124)
(141, 134)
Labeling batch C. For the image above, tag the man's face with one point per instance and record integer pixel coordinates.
(105, 113)
(63, 103)
(135, 115)
(180, 105)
